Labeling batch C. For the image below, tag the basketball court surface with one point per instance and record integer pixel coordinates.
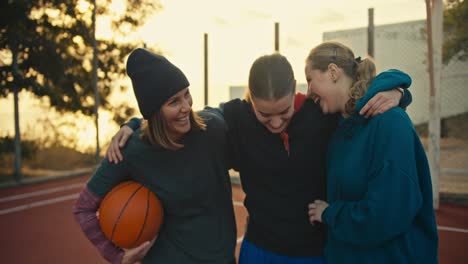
(37, 226)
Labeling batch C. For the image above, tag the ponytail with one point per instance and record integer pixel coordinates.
(363, 76)
(362, 72)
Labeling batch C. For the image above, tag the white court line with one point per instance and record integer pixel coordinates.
(453, 229)
(49, 201)
(40, 203)
(61, 199)
(41, 192)
(75, 195)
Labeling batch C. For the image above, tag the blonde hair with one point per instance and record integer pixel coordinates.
(271, 77)
(362, 72)
(155, 130)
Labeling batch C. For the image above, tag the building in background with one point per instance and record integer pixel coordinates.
(403, 46)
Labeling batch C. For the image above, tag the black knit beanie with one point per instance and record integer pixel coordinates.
(154, 80)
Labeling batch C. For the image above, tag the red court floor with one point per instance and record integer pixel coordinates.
(37, 226)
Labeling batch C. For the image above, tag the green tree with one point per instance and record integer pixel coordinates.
(455, 44)
(28, 147)
(49, 49)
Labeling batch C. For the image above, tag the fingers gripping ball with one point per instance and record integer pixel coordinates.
(130, 214)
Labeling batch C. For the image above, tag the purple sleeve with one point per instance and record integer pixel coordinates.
(85, 214)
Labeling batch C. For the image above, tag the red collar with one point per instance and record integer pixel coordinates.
(299, 100)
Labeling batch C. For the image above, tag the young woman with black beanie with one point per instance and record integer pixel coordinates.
(180, 156)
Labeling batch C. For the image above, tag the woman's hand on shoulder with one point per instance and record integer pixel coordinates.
(381, 103)
(113, 153)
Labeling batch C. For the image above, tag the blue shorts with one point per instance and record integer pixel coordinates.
(251, 254)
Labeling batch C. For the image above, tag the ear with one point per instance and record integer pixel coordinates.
(333, 71)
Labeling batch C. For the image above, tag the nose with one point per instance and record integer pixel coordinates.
(276, 122)
(186, 106)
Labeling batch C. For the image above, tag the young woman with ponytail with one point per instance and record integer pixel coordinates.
(379, 194)
(278, 142)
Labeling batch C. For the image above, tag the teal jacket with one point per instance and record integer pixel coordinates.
(379, 188)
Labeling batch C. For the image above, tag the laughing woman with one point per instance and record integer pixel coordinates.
(179, 155)
(379, 194)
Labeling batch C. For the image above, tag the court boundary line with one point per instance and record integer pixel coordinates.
(452, 229)
(39, 204)
(62, 199)
(75, 195)
(58, 200)
(41, 192)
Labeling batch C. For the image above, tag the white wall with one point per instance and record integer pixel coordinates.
(403, 46)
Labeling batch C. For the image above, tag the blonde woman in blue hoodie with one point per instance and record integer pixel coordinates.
(379, 193)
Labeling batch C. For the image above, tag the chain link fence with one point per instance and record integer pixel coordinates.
(404, 46)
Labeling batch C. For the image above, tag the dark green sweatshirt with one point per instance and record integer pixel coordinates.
(194, 187)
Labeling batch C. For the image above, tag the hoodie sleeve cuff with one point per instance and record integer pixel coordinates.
(406, 99)
(330, 212)
(134, 123)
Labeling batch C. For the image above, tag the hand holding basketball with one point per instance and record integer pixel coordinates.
(130, 214)
(135, 255)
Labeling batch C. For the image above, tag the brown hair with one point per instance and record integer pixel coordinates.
(362, 72)
(270, 77)
(155, 130)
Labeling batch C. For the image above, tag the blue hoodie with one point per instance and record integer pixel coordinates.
(379, 188)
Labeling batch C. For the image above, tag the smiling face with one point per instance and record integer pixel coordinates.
(327, 88)
(332, 73)
(176, 113)
(274, 114)
(271, 91)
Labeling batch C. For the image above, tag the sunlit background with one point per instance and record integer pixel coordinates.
(238, 32)
(62, 145)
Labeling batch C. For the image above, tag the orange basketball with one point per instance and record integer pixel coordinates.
(130, 214)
